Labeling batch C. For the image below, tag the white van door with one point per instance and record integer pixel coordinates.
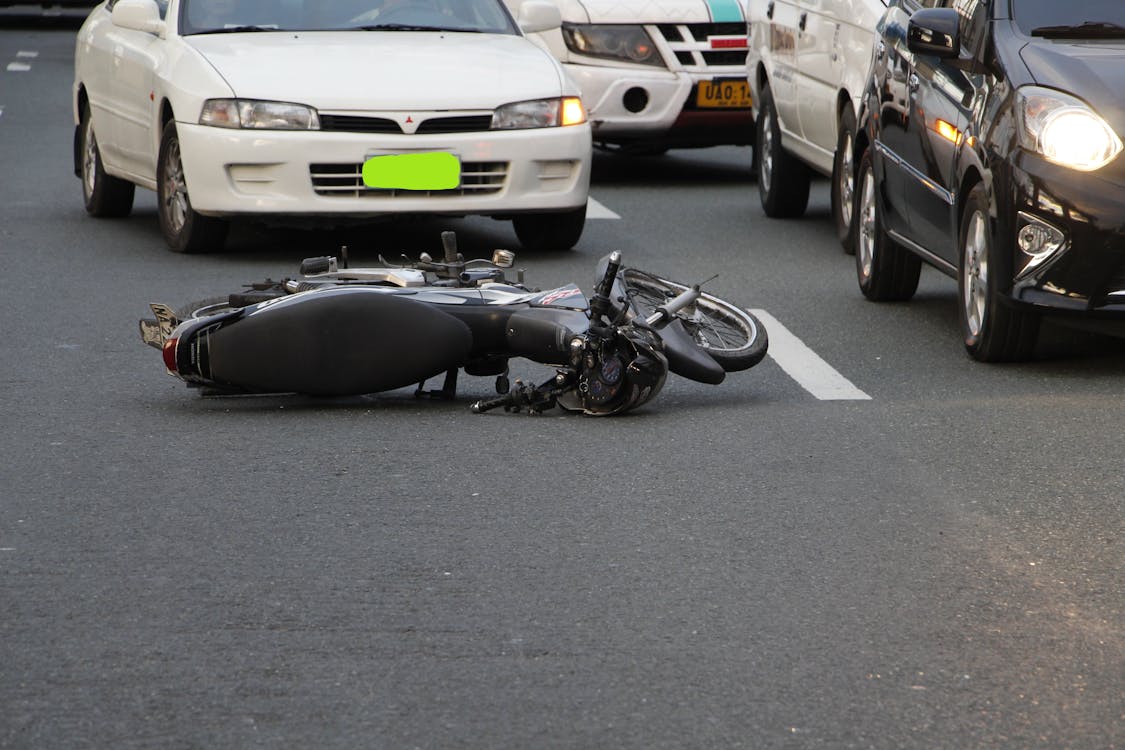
(819, 70)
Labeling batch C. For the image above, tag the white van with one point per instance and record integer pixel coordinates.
(656, 74)
(807, 66)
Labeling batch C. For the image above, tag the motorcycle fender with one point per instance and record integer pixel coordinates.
(337, 342)
(686, 359)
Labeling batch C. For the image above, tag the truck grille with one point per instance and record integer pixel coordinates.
(346, 181)
(705, 46)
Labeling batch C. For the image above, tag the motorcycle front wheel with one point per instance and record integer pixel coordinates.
(733, 337)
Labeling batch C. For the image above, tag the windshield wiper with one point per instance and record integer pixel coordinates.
(1087, 30)
(408, 27)
(238, 29)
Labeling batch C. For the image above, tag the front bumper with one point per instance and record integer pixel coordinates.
(631, 104)
(318, 173)
(1086, 274)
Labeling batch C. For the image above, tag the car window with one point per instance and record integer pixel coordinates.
(218, 16)
(974, 21)
(1097, 17)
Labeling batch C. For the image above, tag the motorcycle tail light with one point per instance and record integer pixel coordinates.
(169, 352)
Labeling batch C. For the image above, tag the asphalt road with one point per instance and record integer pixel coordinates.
(934, 562)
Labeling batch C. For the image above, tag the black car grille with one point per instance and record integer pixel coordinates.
(346, 181)
(361, 124)
(461, 124)
(691, 45)
(355, 124)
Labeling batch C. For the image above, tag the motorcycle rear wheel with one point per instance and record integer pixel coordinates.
(733, 337)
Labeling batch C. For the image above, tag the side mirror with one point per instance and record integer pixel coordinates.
(138, 15)
(539, 15)
(934, 31)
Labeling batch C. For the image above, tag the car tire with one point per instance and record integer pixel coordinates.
(886, 271)
(105, 196)
(993, 330)
(185, 230)
(843, 181)
(783, 180)
(553, 231)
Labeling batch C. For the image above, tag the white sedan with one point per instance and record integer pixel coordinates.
(289, 110)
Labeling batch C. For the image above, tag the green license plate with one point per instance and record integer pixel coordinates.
(436, 170)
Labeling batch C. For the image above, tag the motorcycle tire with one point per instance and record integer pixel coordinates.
(731, 336)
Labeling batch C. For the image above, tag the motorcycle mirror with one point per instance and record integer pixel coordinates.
(503, 258)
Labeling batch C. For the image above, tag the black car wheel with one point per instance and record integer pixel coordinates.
(993, 331)
(105, 196)
(843, 181)
(886, 271)
(783, 181)
(185, 230)
(558, 231)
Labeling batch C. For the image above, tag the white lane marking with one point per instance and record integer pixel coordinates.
(17, 67)
(27, 53)
(803, 365)
(595, 210)
(1, 110)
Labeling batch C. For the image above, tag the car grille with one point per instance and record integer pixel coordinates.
(346, 181)
(362, 124)
(693, 46)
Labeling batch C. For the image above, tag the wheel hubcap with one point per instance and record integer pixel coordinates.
(89, 158)
(865, 244)
(975, 270)
(846, 183)
(175, 197)
(766, 158)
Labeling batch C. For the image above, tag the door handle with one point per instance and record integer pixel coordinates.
(804, 20)
(769, 10)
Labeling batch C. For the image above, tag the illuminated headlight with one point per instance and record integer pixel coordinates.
(1038, 241)
(256, 115)
(1064, 129)
(615, 42)
(539, 113)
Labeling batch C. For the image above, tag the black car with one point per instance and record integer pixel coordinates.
(990, 148)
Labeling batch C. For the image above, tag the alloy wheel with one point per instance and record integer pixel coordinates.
(846, 182)
(175, 195)
(766, 158)
(89, 158)
(865, 241)
(975, 271)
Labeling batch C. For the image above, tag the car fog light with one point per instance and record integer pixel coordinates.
(1038, 241)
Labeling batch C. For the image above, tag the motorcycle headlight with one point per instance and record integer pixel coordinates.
(614, 42)
(1064, 129)
(539, 113)
(256, 115)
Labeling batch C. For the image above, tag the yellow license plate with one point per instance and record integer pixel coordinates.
(724, 94)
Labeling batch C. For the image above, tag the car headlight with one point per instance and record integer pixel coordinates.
(615, 42)
(256, 115)
(1064, 129)
(539, 113)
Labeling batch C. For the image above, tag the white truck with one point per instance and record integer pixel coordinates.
(656, 74)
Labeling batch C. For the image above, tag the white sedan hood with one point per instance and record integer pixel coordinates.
(373, 70)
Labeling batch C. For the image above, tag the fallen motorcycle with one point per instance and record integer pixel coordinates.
(339, 331)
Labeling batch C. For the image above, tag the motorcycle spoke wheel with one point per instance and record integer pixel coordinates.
(732, 336)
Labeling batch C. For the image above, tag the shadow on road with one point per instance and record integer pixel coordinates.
(37, 18)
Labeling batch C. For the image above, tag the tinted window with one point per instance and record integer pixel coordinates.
(1035, 14)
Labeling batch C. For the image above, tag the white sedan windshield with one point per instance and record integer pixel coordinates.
(219, 16)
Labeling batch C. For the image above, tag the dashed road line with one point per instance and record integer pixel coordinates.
(18, 67)
(804, 365)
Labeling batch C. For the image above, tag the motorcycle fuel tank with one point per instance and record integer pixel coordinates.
(337, 342)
